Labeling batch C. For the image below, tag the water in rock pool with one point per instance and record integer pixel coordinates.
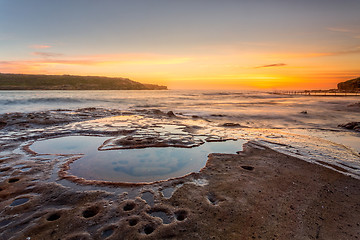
(132, 165)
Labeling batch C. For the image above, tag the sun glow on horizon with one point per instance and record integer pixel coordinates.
(218, 46)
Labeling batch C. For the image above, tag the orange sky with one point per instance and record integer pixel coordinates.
(285, 46)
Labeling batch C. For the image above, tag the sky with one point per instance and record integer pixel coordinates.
(187, 44)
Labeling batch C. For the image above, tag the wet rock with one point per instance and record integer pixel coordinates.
(170, 114)
(351, 126)
(231, 125)
(2, 124)
(87, 109)
(195, 117)
(354, 105)
(157, 112)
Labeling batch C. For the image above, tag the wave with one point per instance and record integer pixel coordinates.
(222, 94)
(56, 100)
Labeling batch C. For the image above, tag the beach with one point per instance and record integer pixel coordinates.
(285, 169)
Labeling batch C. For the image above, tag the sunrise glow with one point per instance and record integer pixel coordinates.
(185, 45)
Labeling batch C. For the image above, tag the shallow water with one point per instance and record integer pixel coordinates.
(254, 109)
(19, 201)
(132, 165)
(314, 116)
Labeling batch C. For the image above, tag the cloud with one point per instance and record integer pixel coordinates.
(39, 46)
(298, 55)
(355, 50)
(272, 65)
(343, 30)
(47, 54)
(52, 59)
(5, 63)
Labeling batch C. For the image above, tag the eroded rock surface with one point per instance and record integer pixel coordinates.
(258, 193)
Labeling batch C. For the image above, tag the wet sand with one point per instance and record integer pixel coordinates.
(256, 194)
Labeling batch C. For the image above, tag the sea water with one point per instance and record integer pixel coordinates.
(316, 116)
(132, 165)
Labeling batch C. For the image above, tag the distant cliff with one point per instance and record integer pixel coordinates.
(70, 82)
(350, 85)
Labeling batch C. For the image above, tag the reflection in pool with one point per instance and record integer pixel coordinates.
(132, 165)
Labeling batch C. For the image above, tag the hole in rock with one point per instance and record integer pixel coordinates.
(248, 168)
(90, 212)
(212, 198)
(133, 222)
(181, 215)
(148, 229)
(53, 217)
(107, 233)
(147, 164)
(129, 206)
(12, 180)
(19, 201)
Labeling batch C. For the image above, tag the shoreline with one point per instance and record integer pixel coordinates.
(256, 193)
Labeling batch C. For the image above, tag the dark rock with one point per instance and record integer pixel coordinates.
(354, 106)
(304, 112)
(350, 85)
(170, 114)
(351, 126)
(231, 125)
(157, 112)
(2, 124)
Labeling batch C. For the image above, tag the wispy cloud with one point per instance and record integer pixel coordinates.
(272, 65)
(343, 30)
(36, 46)
(113, 60)
(355, 50)
(47, 54)
(353, 32)
(298, 55)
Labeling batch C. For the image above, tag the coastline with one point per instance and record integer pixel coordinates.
(256, 193)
